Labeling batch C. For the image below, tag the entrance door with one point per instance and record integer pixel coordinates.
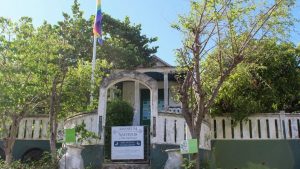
(145, 107)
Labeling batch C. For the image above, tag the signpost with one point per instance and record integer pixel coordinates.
(127, 142)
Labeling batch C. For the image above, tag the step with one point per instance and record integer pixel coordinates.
(125, 166)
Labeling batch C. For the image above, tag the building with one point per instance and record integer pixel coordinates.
(271, 139)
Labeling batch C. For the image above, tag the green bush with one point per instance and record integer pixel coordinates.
(119, 113)
(83, 134)
(188, 164)
(44, 163)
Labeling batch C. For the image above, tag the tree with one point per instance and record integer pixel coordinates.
(223, 30)
(76, 95)
(46, 55)
(266, 84)
(124, 40)
(121, 39)
(20, 84)
(58, 61)
(40, 67)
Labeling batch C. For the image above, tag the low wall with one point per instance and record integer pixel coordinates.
(92, 154)
(23, 146)
(225, 154)
(237, 154)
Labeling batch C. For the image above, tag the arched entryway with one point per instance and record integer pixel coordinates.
(138, 78)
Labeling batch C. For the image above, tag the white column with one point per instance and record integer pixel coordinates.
(154, 113)
(166, 91)
(136, 117)
(102, 113)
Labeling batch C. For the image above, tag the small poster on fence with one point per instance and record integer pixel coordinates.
(189, 146)
(70, 135)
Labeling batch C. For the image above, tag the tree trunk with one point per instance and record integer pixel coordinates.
(53, 138)
(56, 93)
(10, 140)
(195, 133)
(8, 147)
(52, 119)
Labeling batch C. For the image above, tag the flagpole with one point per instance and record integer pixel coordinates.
(93, 71)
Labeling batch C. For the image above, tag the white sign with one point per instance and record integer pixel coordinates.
(184, 148)
(127, 142)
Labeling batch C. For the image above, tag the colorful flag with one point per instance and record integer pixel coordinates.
(97, 30)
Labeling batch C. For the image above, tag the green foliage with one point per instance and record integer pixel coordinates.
(219, 35)
(124, 45)
(188, 164)
(47, 68)
(20, 83)
(77, 87)
(82, 134)
(268, 82)
(31, 59)
(119, 113)
(45, 162)
(124, 40)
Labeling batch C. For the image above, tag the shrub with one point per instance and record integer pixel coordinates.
(119, 113)
(83, 134)
(44, 163)
(188, 164)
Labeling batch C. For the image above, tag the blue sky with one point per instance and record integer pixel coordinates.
(155, 16)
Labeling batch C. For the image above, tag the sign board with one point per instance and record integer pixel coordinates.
(70, 136)
(189, 146)
(127, 142)
(60, 136)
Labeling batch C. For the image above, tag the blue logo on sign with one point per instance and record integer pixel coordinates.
(127, 143)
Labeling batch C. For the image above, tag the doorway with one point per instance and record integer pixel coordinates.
(145, 107)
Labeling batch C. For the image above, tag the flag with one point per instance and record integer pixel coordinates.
(97, 29)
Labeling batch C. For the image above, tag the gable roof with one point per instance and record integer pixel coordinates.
(158, 62)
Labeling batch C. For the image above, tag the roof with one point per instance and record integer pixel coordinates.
(158, 62)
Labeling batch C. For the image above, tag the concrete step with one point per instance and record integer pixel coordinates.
(125, 166)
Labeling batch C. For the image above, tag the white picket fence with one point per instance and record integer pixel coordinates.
(260, 126)
(35, 128)
(171, 128)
